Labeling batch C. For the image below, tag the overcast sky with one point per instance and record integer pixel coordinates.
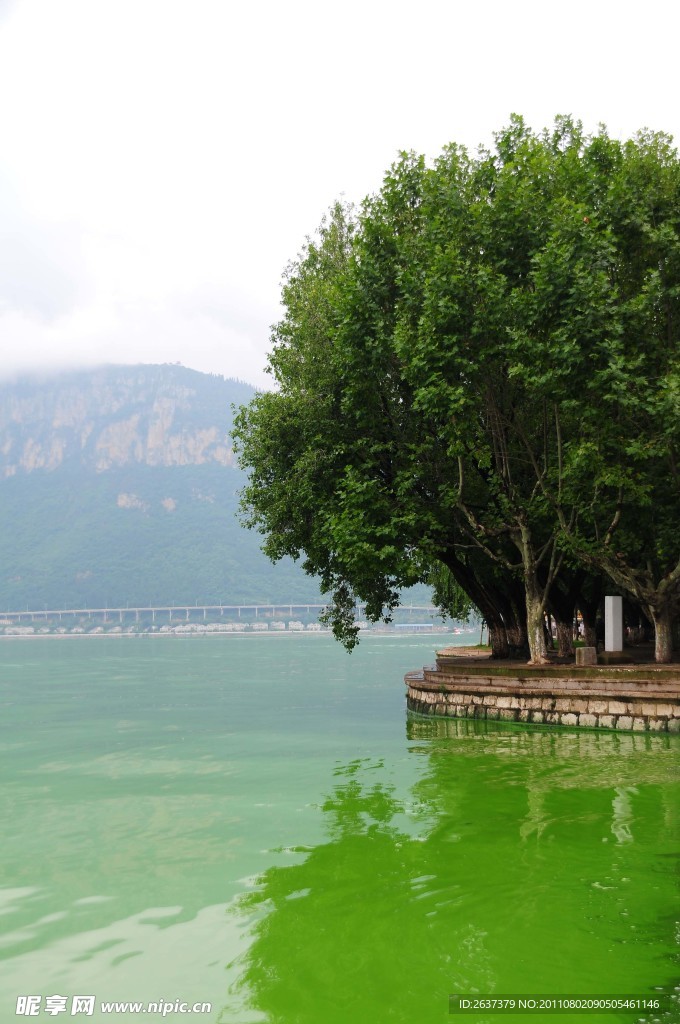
(162, 160)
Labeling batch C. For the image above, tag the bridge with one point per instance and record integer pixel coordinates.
(185, 612)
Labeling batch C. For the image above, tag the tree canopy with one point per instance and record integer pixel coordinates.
(478, 374)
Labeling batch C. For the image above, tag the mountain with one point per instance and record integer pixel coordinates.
(119, 486)
(117, 417)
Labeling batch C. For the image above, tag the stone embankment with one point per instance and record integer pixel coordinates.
(635, 698)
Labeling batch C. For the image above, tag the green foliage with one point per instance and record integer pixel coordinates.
(479, 369)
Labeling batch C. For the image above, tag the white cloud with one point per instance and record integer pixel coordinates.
(167, 159)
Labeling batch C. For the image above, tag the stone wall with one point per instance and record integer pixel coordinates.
(646, 706)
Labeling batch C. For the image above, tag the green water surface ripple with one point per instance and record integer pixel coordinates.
(255, 822)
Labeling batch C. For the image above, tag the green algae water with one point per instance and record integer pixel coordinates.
(254, 823)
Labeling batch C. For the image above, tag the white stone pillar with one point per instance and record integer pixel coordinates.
(613, 623)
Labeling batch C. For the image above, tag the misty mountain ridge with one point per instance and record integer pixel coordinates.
(117, 416)
(119, 486)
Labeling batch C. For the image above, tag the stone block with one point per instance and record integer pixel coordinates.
(674, 724)
(490, 701)
(440, 709)
(503, 701)
(547, 703)
(461, 711)
(579, 706)
(649, 710)
(569, 719)
(676, 711)
(537, 716)
(657, 724)
(470, 710)
(552, 718)
(624, 722)
(665, 710)
(588, 721)
(476, 699)
(607, 722)
(617, 708)
(586, 655)
(597, 707)
(492, 713)
(563, 704)
(635, 708)
(523, 715)
(508, 714)
(534, 703)
(639, 724)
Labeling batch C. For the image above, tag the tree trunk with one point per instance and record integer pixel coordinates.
(549, 638)
(536, 626)
(663, 634)
(498, 638)
(565, 638)
(589, 636)
(517, 639)
(489, 604)
(588, 602)
(535, 599)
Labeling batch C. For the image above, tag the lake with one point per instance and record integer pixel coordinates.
(254, 822)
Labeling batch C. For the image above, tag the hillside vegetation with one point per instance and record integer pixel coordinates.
(118, 486)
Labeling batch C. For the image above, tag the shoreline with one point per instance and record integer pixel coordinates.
(637, 697)
(390, 634)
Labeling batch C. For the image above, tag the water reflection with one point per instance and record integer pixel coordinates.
(352, 932)
(494, 871)
(622, 817)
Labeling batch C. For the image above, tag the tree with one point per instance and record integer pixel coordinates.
(442, 367)
(630, 431)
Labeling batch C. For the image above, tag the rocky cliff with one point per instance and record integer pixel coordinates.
(117, 416)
